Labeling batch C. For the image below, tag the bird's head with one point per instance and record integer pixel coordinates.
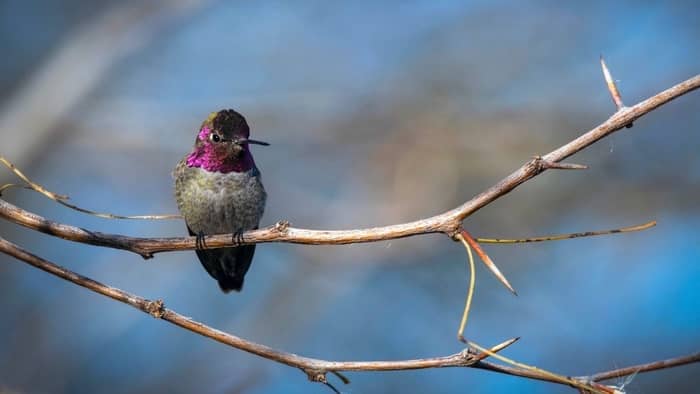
(222, 144)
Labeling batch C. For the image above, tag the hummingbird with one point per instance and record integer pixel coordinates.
(218, 190)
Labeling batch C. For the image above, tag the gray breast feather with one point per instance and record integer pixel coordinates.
(216, 203)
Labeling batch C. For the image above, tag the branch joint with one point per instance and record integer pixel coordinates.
(454, 231)
(145, 255)
(281, 227)
(541, 164)
(468, 355)
(622, 112)
(316, 375)
(155, 308)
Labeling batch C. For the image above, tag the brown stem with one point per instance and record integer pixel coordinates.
(652, 366)
(158, 310)
(448, 222)
(316, 369)
(612, 374)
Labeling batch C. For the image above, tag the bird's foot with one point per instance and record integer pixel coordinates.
(237, 237)
(199, 243)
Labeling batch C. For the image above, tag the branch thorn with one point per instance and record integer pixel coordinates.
(612, 88)
(466, 237)
(320, 377)
(342, 377)
(544, 164)
(482, 355)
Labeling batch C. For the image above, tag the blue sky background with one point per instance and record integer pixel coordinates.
(377, 114)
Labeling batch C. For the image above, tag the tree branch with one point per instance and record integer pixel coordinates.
(316, 369)
(600, 376)
(448, 222)
(158, 310)
(652, 366)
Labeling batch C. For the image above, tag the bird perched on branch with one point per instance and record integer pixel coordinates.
(219, 191)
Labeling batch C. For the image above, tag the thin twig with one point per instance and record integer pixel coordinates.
(12, 185)
(32, 185)
(616, 373)
(61, 199)
(530, 374)
(470, 290)
(559, 237)
(553, 377)
(652, 366)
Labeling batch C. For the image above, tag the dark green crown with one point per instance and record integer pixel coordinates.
(229, 123)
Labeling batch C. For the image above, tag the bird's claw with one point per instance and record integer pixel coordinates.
(237, 237)
(199, 243)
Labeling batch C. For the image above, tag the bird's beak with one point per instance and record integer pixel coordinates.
(249, 141)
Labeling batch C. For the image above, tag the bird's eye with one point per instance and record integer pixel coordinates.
(214, 137)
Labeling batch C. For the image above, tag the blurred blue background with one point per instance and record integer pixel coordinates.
(377, 114)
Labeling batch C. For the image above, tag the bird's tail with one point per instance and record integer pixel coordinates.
(227, 265)
(230, 283)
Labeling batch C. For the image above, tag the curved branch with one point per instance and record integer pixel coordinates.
(158, 310)
(316, 369)
(448, 222)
